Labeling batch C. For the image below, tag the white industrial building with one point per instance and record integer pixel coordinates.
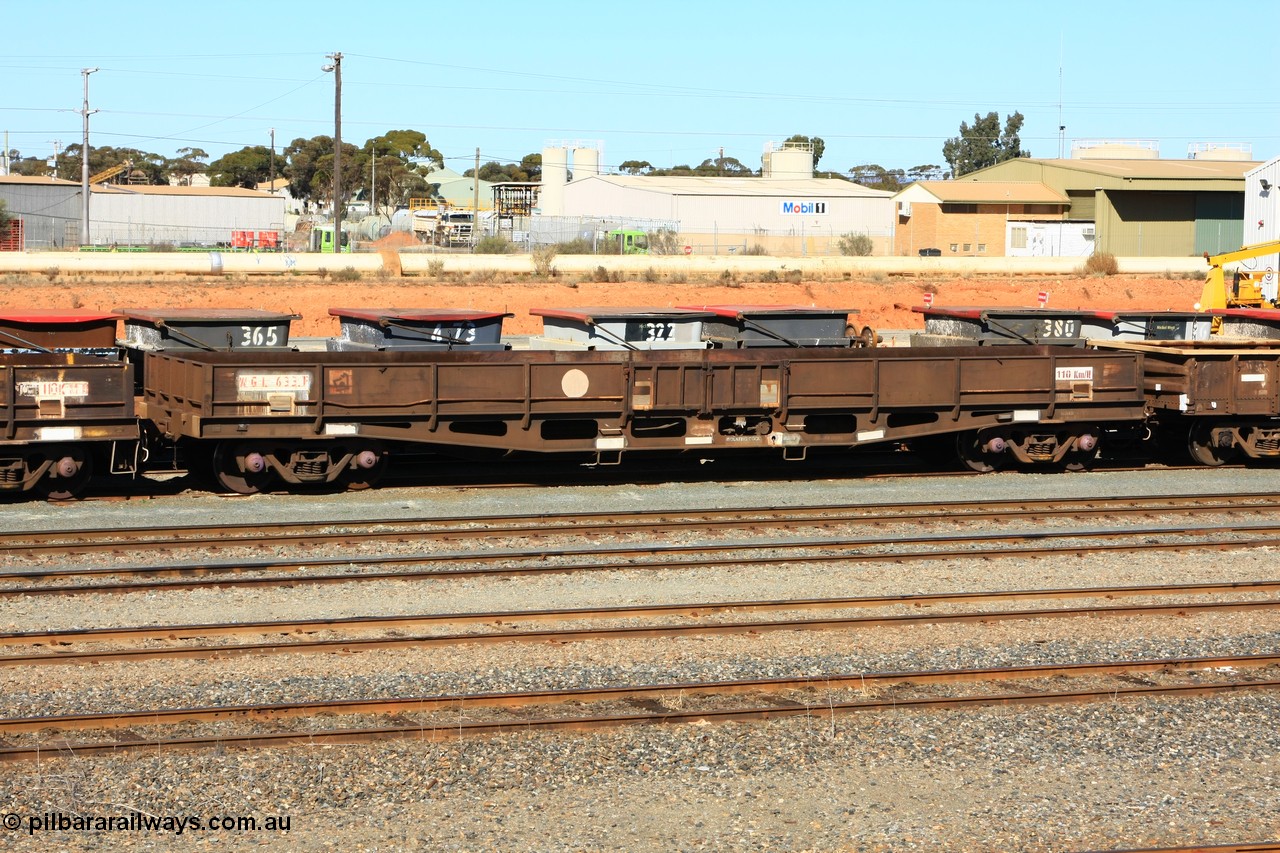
(1262, 219)
(51, 211)
(785, 211)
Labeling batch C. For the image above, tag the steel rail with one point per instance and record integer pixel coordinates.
(847, 547)
(1263, 847)
(353, 644)
(691, 609)
(462, 729)
(28, 543)
(585, 695)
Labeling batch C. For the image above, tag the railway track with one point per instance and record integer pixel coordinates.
(348, 532)
(779, 701)
(648, 557)
(699, 612)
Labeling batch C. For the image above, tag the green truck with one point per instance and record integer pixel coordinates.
(625, 242)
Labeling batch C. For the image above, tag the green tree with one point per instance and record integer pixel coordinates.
(729, 167)
(246, 168)
(4, 220)
(403, 159)
(310, 169)
(878, 177)
(528, 170)
(984, 144)
(819, 147)
(187, 162)
(31, 166)
(636, 167)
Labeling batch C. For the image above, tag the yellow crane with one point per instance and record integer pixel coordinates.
(108, 174)
(1246, 285)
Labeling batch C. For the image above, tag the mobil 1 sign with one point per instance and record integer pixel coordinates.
(803, 208)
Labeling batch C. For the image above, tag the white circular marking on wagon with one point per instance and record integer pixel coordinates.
(574, 383)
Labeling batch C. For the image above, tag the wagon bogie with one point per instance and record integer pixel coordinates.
(249, 467)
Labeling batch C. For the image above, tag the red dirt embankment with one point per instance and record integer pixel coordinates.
(882, 304)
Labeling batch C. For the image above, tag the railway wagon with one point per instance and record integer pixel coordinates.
(66, 402)
(1220, 396)
(332, 417)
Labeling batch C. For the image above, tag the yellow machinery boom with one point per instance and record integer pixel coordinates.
(108, 174)
(1246, 286)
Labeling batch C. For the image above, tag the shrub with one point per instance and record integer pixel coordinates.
(1101, 263)
(651, 275)
(664, 241)
(494, 244)
(795, 276)
(51, 273)
(855, 244)
(484, 276)
(543, 260)
(601, 275)
(770, 276)
(679, 278)
(579, 246)
(755, 249)
(347, 274)
(435, 269)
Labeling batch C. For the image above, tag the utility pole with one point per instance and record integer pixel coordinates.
(84, 160)
(273, 161)
(57, 149)
(475, 205)
(373, 182)
(336, 68)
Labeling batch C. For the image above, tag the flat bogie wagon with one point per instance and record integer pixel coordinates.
(60, 414)
(325, 417)
(1221, 396)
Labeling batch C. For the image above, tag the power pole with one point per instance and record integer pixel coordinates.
(84, 160)
(57, 149)
(336, 68)
(273, 161)
(475, 204)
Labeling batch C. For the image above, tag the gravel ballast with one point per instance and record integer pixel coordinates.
(1120, 773)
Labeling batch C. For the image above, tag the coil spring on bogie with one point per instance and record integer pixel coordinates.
(1268, 445)
(314, 465)
(1041, 449)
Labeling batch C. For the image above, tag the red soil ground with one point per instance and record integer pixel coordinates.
(882, 304)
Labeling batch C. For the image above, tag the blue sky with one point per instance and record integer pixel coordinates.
(667, 82)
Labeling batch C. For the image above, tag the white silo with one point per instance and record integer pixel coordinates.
(586, 162)
(787, 160)
(555, 174)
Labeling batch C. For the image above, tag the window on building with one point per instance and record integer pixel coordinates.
(1017, 238)
(955, 247)
(955, 207)
(982, 247)
(1041, 209)
(968, 247)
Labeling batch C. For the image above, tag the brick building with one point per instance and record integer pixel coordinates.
(971, 218)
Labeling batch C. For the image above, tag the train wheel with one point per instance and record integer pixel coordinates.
(1084, 454)
(69, 477)
(370, 464)
(240, 470)
(981, 454)
(1203, 451)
